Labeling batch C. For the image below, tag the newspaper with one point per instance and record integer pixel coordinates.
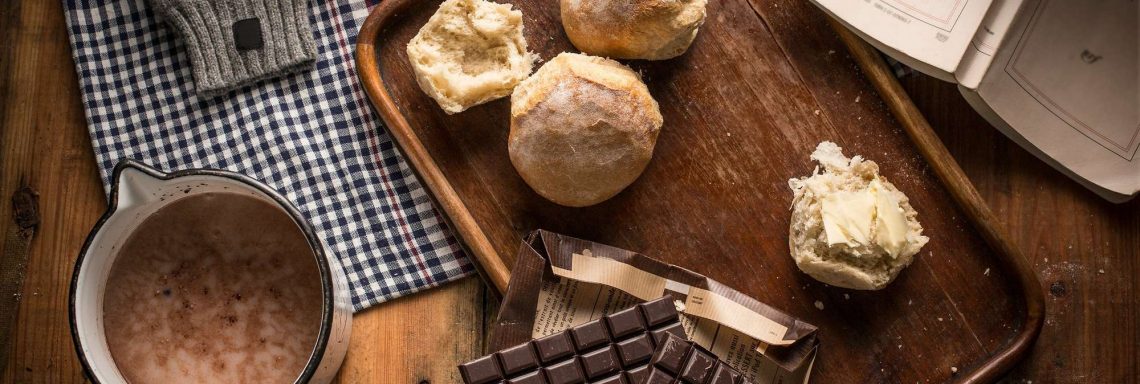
(559, 282)
(1060, 78)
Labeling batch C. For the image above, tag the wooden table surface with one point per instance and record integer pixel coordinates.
(1083, 248)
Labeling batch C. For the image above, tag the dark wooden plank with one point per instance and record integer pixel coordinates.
(1069, 234)
(742, 114)
(43, 144)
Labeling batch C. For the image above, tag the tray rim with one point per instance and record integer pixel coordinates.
(491, 266)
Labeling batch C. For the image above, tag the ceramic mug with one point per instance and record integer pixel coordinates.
(137, 191)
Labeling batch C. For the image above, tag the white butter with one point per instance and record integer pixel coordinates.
(890, 221)
(849, 216)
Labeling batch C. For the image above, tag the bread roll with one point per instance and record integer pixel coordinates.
(633, 29)
(850, 227)
(582, 129)
(470, 52)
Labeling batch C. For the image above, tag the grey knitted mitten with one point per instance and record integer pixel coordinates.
(236, 42)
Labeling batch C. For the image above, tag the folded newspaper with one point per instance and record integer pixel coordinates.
(559, 282)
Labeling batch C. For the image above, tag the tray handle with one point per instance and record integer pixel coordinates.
(1009, 259)
(474, 240)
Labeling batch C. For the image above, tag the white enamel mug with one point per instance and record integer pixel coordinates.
(137, 191)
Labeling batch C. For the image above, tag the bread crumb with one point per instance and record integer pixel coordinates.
(953, 370)
(1100, 271)
(987, 272)
(846, 296)
(939, 319)
(819, 305)
(816, 112)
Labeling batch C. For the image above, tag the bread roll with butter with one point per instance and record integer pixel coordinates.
(851, 227)
(582, 129)
(633, 29)
(470, 52)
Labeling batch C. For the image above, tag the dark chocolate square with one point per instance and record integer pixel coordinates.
(517, 359)
(530, 378)
(625, 323)
(675, 330)
(659, 312)
(657, 376)
(724, 375)
(637, 375)
(554, 347)
(481, 371)
(566, 372)
(586, 352)
(635, 350)
(687, 363)
(600, 363)
(247, 34)
(698, 367)
(671, 353)
(589, 335)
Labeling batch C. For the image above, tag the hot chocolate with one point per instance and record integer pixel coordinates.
(217, 287)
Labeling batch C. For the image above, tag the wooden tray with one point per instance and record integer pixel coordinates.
(763, 83)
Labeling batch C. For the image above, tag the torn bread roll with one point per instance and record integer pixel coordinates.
(633, 29)
(470, 52)
(851, 227)
(582, 129)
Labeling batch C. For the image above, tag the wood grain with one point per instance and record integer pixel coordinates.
(417, 339)
(1085, 250)
(40, 104)
(741, 116)
(1091, 326)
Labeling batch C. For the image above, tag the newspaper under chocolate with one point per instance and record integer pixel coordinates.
(559, 282)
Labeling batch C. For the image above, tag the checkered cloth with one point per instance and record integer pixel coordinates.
(312, 136)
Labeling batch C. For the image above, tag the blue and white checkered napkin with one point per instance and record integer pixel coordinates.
(312, 136)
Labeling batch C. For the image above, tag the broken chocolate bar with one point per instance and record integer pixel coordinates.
(559, 280)
(678, 360)
(614, 349)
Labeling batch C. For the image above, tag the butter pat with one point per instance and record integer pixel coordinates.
(847, 217)
(890, 221)
(856, 217)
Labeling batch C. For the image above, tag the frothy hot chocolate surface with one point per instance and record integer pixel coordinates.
(218, 288)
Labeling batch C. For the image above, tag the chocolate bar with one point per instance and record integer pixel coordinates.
(615, 349)
(678, 360)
